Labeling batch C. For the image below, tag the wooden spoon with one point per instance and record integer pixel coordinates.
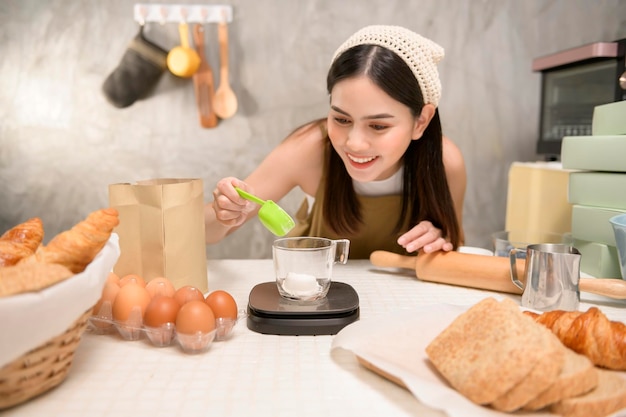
(203, 82)
(224, 101)
(481, 271)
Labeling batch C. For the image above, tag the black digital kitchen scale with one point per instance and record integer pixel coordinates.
(270, 313)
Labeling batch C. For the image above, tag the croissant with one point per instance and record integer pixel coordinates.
(30, 276)
(20, 241)
(77, 247)
(589, 333)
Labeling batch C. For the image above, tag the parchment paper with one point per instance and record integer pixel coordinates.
(396, 344)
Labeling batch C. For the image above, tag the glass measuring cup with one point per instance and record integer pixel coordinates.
(271, 215)
(304, 265)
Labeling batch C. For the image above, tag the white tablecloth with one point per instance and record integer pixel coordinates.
(252, 374)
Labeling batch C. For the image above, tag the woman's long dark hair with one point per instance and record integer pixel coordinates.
(425, 191)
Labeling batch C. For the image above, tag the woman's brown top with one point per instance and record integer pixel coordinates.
(380, 216)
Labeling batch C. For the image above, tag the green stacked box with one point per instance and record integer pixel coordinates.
(594, 153)
(598, 258)
(597, 188)
(609, 119)
(592, 224)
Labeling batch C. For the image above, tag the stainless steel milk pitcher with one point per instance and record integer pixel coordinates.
(551, 277)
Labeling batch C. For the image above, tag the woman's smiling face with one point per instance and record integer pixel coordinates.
(368, 129)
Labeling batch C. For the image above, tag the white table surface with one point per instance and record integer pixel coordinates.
(252, 374)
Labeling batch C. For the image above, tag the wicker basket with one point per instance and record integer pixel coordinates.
(41, 369)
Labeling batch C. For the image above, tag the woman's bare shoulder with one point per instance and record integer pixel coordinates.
(296, 162)
(306, 144)
(313, 132)
(452, 156)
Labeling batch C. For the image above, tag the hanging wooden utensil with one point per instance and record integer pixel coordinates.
(182, 60)
(224, 101)
(203, 82)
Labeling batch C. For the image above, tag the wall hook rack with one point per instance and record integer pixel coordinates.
(198, 13)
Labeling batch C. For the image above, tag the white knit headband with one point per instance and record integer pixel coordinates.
(419, 53)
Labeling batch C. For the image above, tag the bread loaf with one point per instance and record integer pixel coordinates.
(497, 356)
(577, 377)
(489, 349)
(608, 397)
(543, 375)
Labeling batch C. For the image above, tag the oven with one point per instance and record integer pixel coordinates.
(573, 82)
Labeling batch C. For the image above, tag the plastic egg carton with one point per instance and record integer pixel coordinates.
(102, 322)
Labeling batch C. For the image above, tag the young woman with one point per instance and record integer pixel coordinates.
(377, 170)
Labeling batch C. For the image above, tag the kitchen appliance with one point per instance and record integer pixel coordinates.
(574, 81)
(270, 313)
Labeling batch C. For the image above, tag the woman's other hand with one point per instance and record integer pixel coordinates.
(424, 236)
(230, 208)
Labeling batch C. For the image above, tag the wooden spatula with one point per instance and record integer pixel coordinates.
(481, 271)
(203, 82)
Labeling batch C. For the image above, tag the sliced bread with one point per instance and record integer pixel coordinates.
(487, 350)
(608, 397)
(541, 377)
(577, 377)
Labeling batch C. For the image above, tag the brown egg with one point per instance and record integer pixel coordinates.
(132, 278)
(130, 296)
(188, 293)
(113, 277)
(161, 309)
(103, 308)
(223, 305)
(160, 286)
(195, 316)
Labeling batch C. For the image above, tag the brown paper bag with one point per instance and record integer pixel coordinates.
(161, 230)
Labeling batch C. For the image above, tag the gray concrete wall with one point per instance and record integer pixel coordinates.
(62, 143)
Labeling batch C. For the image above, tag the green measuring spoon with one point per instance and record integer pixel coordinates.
(273, 217)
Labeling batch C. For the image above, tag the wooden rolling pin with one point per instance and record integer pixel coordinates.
(481, 271)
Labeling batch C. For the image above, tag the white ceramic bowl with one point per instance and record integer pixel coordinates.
(619, 228)
(474, 250)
